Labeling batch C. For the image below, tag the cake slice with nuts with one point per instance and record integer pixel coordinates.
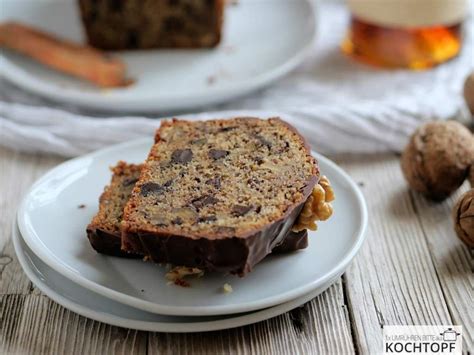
(219, 194)
(104, 231)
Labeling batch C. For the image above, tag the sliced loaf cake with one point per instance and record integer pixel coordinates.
(219, 194)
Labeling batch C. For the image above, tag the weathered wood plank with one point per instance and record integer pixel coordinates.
(393, 280)
(33, 324)
(17, 173)
(319, 327)
(452, 260)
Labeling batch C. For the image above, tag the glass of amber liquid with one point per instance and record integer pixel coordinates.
(414, 34)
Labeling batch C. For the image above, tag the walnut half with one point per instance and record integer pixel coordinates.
(317, 206)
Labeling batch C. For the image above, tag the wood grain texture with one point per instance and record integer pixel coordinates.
(452, 260)
(393, 280)
(17, 173)
(319, 327)
(33, 324)
(411, 270)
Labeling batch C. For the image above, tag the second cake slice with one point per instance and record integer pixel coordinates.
(218, 195)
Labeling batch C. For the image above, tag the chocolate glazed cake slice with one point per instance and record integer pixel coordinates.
(104, 232)
(220, 194)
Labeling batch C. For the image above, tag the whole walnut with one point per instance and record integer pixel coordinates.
(437, 158)
(463, 215)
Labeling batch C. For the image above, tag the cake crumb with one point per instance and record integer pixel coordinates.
(227, 288)
(178, 273)
(81, 206)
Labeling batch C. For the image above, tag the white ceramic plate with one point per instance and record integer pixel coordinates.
(263, 40)
(54, 228)
(89, 304)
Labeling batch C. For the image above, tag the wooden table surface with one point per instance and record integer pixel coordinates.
(411, 270)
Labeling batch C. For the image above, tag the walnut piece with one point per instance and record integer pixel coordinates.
(436, 160)
(317, 206)
(177, 273)
(463, 215)
(227, 288)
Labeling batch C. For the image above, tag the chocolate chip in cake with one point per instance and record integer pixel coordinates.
(182, 156)
(218, 153)
(216, 182)
(210, 218)
(168, 183)
(204, 200)
(150, 188)
(178, 221)
(240, 210)
(226, 129)
(128, 182)
(259, 160)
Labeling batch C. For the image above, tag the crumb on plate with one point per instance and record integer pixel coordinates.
(227, 288)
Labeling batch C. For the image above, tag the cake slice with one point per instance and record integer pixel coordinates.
(134, 24)
(104, 232)
(219, 194)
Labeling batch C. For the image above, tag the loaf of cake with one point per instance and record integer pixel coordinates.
(134, 24)
(104, 232)
(219, 194)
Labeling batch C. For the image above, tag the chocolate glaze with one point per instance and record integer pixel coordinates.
(236, 255)
(108, 243)
(293, 241)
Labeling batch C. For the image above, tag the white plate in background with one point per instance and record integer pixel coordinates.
(54, 228)
(263, 40)
(91, 305)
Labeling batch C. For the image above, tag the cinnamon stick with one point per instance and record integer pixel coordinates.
(78, 60)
